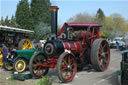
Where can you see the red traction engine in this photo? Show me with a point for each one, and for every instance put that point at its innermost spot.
(76, 45)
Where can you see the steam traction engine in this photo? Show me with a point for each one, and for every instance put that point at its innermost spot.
(76, 45)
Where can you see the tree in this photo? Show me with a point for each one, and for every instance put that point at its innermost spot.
(7, 21)
(2, 21)
(115, 15)
(100, 16)
(119, 25)
(12, 21)
(82, 18)
(108, 26)
(40, 11)
(23, 15)
(114, 25)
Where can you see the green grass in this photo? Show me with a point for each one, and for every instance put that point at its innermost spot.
(11, 79)
(44, 81)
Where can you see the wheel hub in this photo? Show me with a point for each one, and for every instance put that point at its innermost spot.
(69, 67)
(103, 55)
(20, 66)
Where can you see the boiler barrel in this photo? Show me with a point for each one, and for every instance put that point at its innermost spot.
(74, 47)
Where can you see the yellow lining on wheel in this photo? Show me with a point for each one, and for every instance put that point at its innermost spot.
(20, 65)
(1, 58)
(8, 67)
(27, 44)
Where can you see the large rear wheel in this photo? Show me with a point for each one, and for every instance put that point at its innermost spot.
(35, 67)
(100, 54)
(66, 67)
(25, 44)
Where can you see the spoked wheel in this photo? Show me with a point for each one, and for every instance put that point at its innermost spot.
(19, 65)
(91, 35)
(100, 54)
(8, 66)
(36, 65)
(66, 67)
(25, 44)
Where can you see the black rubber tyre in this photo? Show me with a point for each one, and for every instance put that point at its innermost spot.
(100, 60)
(7, 66)
(19, 65)
(122, 72)
(59, 67)
(35, 61)
(21, 43)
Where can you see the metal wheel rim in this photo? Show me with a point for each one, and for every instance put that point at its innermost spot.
(1, 56)
(38, 70)
(65, 67)
(27, 44)
(8, 66)
(104, 55)
(20, 65)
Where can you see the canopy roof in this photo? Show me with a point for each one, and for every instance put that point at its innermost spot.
(12, 29)
(78, 26)
(84, 24)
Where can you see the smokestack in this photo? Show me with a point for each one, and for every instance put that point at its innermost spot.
(54, 10)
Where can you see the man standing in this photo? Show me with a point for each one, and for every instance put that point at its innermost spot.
(117, 45)
(120, 45)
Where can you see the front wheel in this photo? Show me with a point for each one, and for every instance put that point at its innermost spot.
(19, 65)
(66, 67)
(36, 65)
(100, 54)
(8, 66)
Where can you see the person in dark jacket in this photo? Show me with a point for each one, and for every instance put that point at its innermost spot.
(4, 52)
(117, 44)
(120, 45)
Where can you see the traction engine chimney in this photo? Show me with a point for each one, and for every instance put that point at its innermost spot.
(54, 10)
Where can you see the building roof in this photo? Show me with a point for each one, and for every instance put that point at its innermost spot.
(12, 29)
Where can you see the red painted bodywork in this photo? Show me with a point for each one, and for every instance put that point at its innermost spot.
(76, 47)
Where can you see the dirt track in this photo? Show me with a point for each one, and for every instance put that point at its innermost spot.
(84, 77)
(5, 79)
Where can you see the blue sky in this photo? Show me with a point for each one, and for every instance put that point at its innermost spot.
(69, 8)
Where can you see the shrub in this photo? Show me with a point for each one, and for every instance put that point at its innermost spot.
(44, 81)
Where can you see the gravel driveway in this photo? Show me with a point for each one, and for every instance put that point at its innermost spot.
(85, 77)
